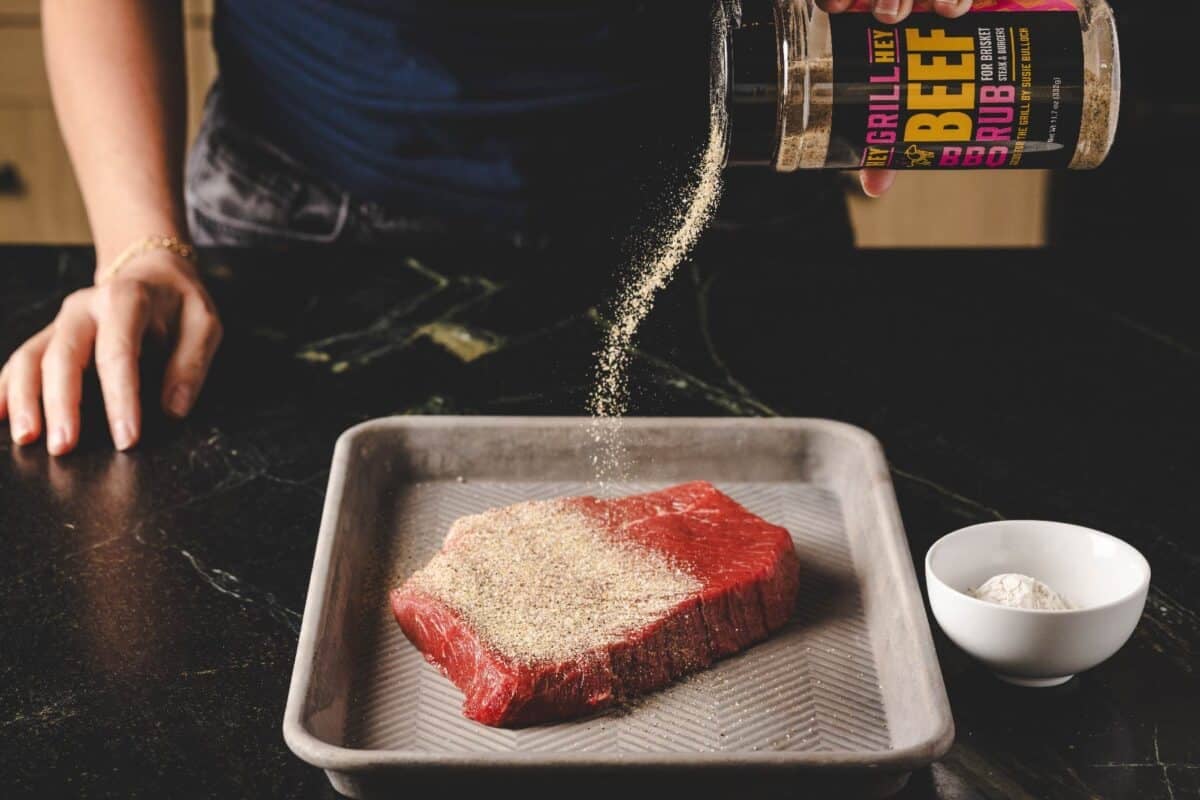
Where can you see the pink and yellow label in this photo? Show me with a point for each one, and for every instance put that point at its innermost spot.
(983, 91)
(989, 5)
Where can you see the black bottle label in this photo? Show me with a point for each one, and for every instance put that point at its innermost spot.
(994, 89)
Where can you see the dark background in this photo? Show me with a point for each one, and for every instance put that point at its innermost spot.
(1147, 188)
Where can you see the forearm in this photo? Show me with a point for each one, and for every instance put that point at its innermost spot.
(117, 74)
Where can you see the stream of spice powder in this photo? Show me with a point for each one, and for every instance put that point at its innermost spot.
(670, 245)
(674, 238)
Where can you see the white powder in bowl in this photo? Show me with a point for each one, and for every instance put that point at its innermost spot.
(1019, 591)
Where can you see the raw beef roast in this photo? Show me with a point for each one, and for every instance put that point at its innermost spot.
(548, 610)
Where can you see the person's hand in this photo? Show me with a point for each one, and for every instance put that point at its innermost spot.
(877, 181)
(157, 294)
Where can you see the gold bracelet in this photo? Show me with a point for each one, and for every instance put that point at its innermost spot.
(172, 244)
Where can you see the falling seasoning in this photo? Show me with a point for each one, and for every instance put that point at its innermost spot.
(665, 248)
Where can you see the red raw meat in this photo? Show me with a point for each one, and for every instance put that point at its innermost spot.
(741, 574)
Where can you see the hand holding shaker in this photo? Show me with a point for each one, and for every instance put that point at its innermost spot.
(1011, 84)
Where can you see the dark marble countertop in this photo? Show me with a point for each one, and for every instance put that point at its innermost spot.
(150, 601)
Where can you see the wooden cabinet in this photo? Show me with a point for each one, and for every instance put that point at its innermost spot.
(39, 199)
(931, 210)
(22, 73)
(956, 209)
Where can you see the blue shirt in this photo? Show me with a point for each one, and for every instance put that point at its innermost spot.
(464, 107)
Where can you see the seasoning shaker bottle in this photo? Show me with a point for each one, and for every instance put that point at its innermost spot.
(1011, 84)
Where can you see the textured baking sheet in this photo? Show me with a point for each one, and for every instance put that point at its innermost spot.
(839, 688)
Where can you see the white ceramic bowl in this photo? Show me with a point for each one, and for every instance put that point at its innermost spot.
(1104, 580)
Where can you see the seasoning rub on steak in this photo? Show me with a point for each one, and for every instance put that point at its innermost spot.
(548, 610)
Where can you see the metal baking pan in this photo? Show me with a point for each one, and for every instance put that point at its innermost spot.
(847, 699)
